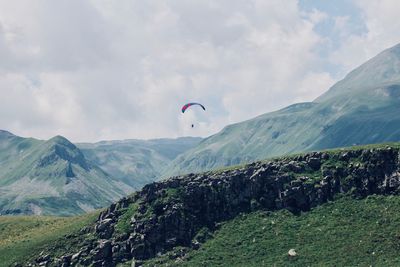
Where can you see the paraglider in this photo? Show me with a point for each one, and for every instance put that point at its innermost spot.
(186, 106)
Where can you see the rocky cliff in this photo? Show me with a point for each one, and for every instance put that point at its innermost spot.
(180, 211)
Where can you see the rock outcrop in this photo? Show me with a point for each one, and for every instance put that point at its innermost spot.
(175, 212)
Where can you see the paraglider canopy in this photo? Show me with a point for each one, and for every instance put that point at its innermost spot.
(185, 107)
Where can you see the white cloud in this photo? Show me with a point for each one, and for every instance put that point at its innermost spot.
(317, 16)
(382, 25)
(94, 70)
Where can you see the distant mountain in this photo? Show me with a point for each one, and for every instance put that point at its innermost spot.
(56, 177)
(136, 162)
(51, 177)
(362, 108)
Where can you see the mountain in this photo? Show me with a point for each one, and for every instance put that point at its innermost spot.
(299, 210)
(56, 177)
(363, 108)
(136, 162)
(51, 177)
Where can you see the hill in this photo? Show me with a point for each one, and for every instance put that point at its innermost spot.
(363, 108)
(203, 218)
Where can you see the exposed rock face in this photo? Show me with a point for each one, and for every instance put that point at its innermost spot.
(61, 148)
(171, 213)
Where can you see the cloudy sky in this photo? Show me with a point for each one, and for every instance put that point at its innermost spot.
(102, 69)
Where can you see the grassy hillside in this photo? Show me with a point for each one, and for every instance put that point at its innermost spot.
(363, 108)
(346, 232)
(25, 237)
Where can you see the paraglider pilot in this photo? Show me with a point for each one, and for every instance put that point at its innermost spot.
(185, 107)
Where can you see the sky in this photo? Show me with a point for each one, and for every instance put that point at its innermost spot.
(94, 70)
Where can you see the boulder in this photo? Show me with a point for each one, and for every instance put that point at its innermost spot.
(292, 252)
(314, 163)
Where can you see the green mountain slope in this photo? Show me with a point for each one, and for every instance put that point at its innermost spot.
(136, 162)
(51, 177)
(363, 108)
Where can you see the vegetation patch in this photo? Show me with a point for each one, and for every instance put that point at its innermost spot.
(124, 222)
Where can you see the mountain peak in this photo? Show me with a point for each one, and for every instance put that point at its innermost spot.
(383, 69)
(5, 133)
(395, 49)
(59, 139)
(60, 147)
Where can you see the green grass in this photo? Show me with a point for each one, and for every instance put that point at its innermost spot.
(124, 222)
(346, 232)
(363, 147)
(25, 237)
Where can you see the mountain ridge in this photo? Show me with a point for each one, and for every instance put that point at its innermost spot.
(367, 75)
(136, 162)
